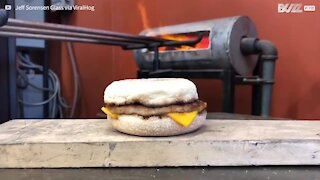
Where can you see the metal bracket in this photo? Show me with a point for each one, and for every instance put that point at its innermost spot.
(255, 80)
(252, 80)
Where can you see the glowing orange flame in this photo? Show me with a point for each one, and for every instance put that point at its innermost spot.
(203, 44)
(144, 16)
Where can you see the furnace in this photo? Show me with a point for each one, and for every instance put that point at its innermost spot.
(219, 47)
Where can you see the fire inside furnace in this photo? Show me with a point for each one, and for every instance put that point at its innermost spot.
(203, 44)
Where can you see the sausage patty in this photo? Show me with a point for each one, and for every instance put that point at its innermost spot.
(154, 111)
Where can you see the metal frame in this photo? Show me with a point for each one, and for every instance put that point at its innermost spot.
(229, 80)
(8, 102)
(262, 80)
(227, 76)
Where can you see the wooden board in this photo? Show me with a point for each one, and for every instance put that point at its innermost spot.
(92, 143)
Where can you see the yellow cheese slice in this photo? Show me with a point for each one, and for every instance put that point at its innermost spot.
(109, 113)
(184, 119)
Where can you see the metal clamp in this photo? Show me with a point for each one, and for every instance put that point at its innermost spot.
(253, 80)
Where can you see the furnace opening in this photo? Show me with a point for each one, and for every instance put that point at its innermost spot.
(203, 44)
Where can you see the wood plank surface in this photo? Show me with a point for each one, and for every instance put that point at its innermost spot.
(93, 143)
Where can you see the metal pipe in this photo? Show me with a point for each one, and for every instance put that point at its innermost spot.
(268, 57)
(170, 43)
(156, 61)
(64, 33)
(60, 38)
(83, 38)
(5, 20)
(49, 31)
(60, 27)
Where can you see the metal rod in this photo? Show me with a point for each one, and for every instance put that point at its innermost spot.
(60, 38)
(67, 34)
(126, 44)
(156, 61)
(170, 43)
(21, 23)
(49, 31)
(228, 90)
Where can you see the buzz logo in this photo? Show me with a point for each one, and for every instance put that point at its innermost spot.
(290, 8)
